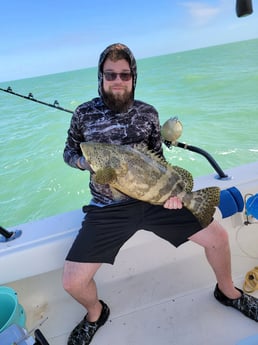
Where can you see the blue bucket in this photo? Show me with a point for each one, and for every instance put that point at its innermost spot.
(11, 312)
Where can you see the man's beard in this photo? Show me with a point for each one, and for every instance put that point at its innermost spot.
(118, 103)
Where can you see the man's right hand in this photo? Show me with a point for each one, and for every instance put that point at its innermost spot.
(173, 203)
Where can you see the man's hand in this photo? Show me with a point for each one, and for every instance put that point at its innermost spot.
(173, 203)
(83, 164)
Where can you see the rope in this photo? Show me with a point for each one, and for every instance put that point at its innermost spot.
(251, 280)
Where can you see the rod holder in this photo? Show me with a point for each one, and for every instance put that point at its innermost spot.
(7, 236)
(211, 160)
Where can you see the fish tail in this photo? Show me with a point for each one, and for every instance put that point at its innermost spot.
(186, 177)
(202, 203)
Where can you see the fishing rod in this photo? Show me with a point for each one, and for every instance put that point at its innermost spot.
(172, 129)
(30, 97)
(168, 143)
(211, 160)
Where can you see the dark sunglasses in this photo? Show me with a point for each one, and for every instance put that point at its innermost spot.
(111, 76)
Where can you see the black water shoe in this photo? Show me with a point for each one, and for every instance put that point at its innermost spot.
(246, 304)
(85, 330)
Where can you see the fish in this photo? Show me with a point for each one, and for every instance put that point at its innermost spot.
(144, 175)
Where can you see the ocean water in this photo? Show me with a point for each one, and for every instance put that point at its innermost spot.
(213, 91)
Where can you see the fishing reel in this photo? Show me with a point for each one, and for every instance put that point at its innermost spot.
(171, 130)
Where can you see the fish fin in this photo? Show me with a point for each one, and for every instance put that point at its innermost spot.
(105, 176)
(151, 154)
(186, 177)
(202, 203)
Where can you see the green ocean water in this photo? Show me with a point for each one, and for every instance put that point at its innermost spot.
(213, 91)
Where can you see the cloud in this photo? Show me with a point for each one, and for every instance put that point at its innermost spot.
(200, 12)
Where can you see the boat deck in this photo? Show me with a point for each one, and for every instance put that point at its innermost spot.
(156, 293)
(161, 295)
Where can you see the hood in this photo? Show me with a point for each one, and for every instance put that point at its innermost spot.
(102, 58)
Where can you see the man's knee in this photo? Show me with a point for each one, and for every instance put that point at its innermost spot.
(213, 236)
(219, 239)
(68, 278)
(76, 275)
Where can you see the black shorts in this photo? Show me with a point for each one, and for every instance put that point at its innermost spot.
(105, 229)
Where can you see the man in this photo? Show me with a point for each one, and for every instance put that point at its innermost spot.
(116, 117)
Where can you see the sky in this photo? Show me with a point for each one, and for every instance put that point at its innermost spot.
(51, 36)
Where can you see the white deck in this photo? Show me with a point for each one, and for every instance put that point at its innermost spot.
(156, 293)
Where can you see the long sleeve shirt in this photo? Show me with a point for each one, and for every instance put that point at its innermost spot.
(93, 121)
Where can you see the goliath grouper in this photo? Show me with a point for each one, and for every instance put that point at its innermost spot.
(141, 174)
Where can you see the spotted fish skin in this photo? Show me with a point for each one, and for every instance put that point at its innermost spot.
(142, 175)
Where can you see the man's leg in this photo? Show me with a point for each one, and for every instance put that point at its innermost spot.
(214, 239)
(79, 283)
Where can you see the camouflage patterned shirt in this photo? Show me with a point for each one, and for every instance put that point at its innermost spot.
(93, 121)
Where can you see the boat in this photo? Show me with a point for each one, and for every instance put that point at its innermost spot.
(156, 293)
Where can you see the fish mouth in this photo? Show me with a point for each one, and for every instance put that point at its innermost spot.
(86, 148)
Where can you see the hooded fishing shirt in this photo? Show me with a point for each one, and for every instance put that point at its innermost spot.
(94, 121)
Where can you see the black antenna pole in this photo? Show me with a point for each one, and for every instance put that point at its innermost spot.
(244, 8)
(30, 97)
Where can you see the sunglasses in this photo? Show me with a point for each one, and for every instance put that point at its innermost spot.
(111, 76)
